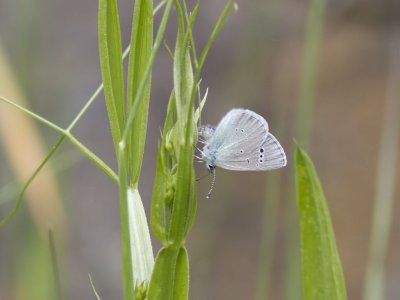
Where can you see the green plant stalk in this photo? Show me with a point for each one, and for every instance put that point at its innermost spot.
(25, 187)
(174, 195)
(10, 190)
(303, 130)
(95, 159)
(374, 285)
(230, 5)
(127, 267)
(126, 243)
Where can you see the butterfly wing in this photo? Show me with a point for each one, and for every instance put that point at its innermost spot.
(242, 142)
(267, 156)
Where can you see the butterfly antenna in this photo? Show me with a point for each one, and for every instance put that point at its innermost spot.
(212, 185)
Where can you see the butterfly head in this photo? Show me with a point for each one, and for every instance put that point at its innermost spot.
(210, 167)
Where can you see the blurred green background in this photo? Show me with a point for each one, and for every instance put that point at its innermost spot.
(49, 62)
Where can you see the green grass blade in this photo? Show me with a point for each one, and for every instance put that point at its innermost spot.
(183, 72)
(190, 17)
(111, 66)
(92, 157)
(141, 44)
(170, 279)
(147, 72)
(322, 273)
(314, 30)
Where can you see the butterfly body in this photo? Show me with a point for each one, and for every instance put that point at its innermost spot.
(241, 142)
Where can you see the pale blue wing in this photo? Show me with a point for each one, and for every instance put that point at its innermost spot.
(267, 156)
(239, 127)
(241, 141)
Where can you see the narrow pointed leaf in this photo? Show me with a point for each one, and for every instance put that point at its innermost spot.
(322, 273)
(141, 45)
(111, 65)
(183, 72)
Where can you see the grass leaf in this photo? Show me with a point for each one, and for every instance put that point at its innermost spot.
(322, 273)
(183, 72)
(141, 45)
(111, 66)
(170, 279)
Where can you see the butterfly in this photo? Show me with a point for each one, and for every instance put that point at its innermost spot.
(241, 142)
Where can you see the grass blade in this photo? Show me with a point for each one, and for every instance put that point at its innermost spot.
(303, 129)
(322, 273)
(147, 71)
(141, 44)
(111, 66)
(183, 72)
(170, 279)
